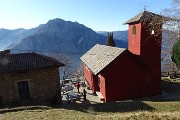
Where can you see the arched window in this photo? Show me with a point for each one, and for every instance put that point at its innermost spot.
(134, 30)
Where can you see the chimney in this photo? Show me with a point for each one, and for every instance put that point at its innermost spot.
(4, 53)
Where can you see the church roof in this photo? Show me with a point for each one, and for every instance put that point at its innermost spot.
(25, 61)
(98, 57)
(145, 15)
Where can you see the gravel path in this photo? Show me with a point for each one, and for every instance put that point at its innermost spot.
(90, 97)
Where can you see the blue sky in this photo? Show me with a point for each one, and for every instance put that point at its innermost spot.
(100, 15)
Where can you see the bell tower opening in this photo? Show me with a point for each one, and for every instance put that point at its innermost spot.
(134, 30)
(143, 39)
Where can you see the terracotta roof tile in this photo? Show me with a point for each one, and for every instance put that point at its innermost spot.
(26, 61)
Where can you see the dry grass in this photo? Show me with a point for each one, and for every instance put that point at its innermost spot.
(115, 110)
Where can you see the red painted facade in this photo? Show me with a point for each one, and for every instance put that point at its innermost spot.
(134, 43)
(102, 85)
(136, 72)
(91, 79)
(122, 80)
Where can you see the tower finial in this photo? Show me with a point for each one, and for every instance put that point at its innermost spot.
(145, 5)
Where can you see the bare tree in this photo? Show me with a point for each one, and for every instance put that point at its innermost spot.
(173, 22)
(170, 18)
(78, 72)
(172, 30)
(65, 71)
(176, 2)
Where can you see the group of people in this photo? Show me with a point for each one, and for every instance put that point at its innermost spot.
(84, 91)
(54, 99)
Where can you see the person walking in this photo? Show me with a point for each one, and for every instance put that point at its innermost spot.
(84, 94)
(78, 86)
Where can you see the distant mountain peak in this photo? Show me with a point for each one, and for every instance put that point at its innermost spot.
(56, 20)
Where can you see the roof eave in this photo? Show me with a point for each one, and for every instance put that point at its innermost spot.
(139, 17)
(129, 22)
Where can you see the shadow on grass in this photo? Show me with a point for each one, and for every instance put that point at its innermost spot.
(165, 97)
(86, 107)
(29, 108)
(121, 106)
(172, 88)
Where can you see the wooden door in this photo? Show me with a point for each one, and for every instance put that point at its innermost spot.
(23, 90)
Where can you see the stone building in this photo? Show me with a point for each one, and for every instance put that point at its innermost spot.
(28, 76)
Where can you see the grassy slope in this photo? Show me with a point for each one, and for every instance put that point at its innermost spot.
(114, 110)
(149, 109)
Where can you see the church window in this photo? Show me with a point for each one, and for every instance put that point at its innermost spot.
(134, 30)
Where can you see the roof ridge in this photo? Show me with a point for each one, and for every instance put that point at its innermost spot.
(142, 16)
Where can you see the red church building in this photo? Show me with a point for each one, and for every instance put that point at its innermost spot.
(120, 74)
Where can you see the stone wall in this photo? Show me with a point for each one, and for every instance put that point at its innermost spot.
(43, 84)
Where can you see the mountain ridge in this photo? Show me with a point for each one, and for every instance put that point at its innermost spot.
(10, 37)
(58, 29)
(59, 36)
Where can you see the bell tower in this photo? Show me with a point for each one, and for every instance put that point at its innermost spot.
(145, 36)
(144, 41)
